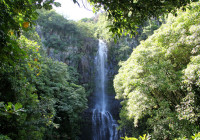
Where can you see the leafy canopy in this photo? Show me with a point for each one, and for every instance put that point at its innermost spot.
(128, 14)
(160, 80)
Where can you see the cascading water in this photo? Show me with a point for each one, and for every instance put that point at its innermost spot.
(104, 127)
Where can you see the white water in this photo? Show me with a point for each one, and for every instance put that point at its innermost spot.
(104, 127)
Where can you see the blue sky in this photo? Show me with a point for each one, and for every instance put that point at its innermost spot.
(72, 11)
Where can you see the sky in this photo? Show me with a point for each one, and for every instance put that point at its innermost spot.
(72, 11)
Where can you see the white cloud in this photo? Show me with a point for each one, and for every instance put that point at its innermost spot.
(72, 11)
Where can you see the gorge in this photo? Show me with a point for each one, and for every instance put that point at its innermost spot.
(74, 80)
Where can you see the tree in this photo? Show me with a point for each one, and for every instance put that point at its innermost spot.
(128, 14)
(19, 14)
(16, 16)
(160, 80)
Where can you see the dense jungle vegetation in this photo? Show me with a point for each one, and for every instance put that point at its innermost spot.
(159, 83)
(46, 66)
(39, 96)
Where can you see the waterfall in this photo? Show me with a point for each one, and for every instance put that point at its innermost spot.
(104, 127)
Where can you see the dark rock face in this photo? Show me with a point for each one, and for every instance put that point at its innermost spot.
(86, 124)
(86, 62)
(114, 106)
(80, 58)
(77, 52)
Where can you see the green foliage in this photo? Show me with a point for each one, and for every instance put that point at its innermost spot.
(126, 138)
(148, 29)
(196, 136)
(9, 108)
(148, 137)
(56, 85)
(102, 30)
(189, 105)
(128, 15)
(16, 16)
(144, 137)
(3, 137)
(32, 35)
(40, 97)
(17, 92)
(60, 33)
(160, 79)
